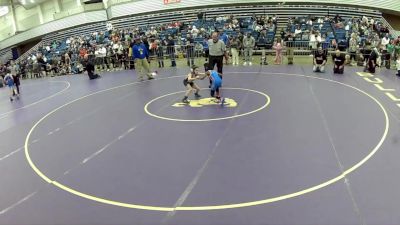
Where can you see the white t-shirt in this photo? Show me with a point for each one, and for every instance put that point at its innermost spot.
(312, 38)
(8, 77)
(102, 52)
(384, 42)
(398, 64)
(109, 26)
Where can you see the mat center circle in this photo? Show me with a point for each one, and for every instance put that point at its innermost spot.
(210, 110)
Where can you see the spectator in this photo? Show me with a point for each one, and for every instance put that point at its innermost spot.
(353, 47)
(235, 47)
(171, 50)
(338, 62)
(289, 40)
(89, 66)
(248, 45)
(278, 46)
(319, 60)
(372, 61)
(398, 66)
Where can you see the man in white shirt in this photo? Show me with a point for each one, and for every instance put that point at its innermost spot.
(297, 31)
(313, 41)
(384, 42)
(194, 32)
(109, 27)
(248, 44)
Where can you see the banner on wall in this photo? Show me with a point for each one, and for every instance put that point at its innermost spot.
(171, 1)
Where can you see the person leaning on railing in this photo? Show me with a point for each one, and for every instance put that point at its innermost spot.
(170, 44)
(189, 50)
(289, 44)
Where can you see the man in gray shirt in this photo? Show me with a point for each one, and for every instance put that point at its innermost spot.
(217, 50)
(248, 45)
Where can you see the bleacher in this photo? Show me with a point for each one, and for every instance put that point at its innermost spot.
(5, 55)
(74, 32)
(242, 12)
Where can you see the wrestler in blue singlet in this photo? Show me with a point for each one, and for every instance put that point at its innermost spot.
(216, 83)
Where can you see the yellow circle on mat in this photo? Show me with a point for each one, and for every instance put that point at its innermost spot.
(209, 207)
(267, 102)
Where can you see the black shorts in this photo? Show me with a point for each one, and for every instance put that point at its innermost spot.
(16, 80)
(185, 82)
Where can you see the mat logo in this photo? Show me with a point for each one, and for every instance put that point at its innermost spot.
(378, 83)
(230, 103)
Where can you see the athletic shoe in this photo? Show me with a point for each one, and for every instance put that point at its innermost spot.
(222, 101)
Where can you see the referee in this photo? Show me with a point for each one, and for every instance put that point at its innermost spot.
(217, 50)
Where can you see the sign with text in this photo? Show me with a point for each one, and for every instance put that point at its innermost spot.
(171, 1)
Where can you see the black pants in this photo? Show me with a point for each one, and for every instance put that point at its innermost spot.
(90, 71)
(16, 82)
(215, 60)
(92, 75)
(353, 56)
(337, 70)
(212, 93)
(398, 73)
(371, 67)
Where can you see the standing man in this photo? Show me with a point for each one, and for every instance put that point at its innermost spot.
(353, 47)
(372, 60)
(289, 41)
(248, 44)
(170, 43)
(217, 50)
(14, 72)
(235, 48)
(139, 56)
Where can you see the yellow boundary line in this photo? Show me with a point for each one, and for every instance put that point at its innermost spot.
(3, 115)
(210, 207)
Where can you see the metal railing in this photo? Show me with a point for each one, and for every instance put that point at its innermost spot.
(165, 56)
